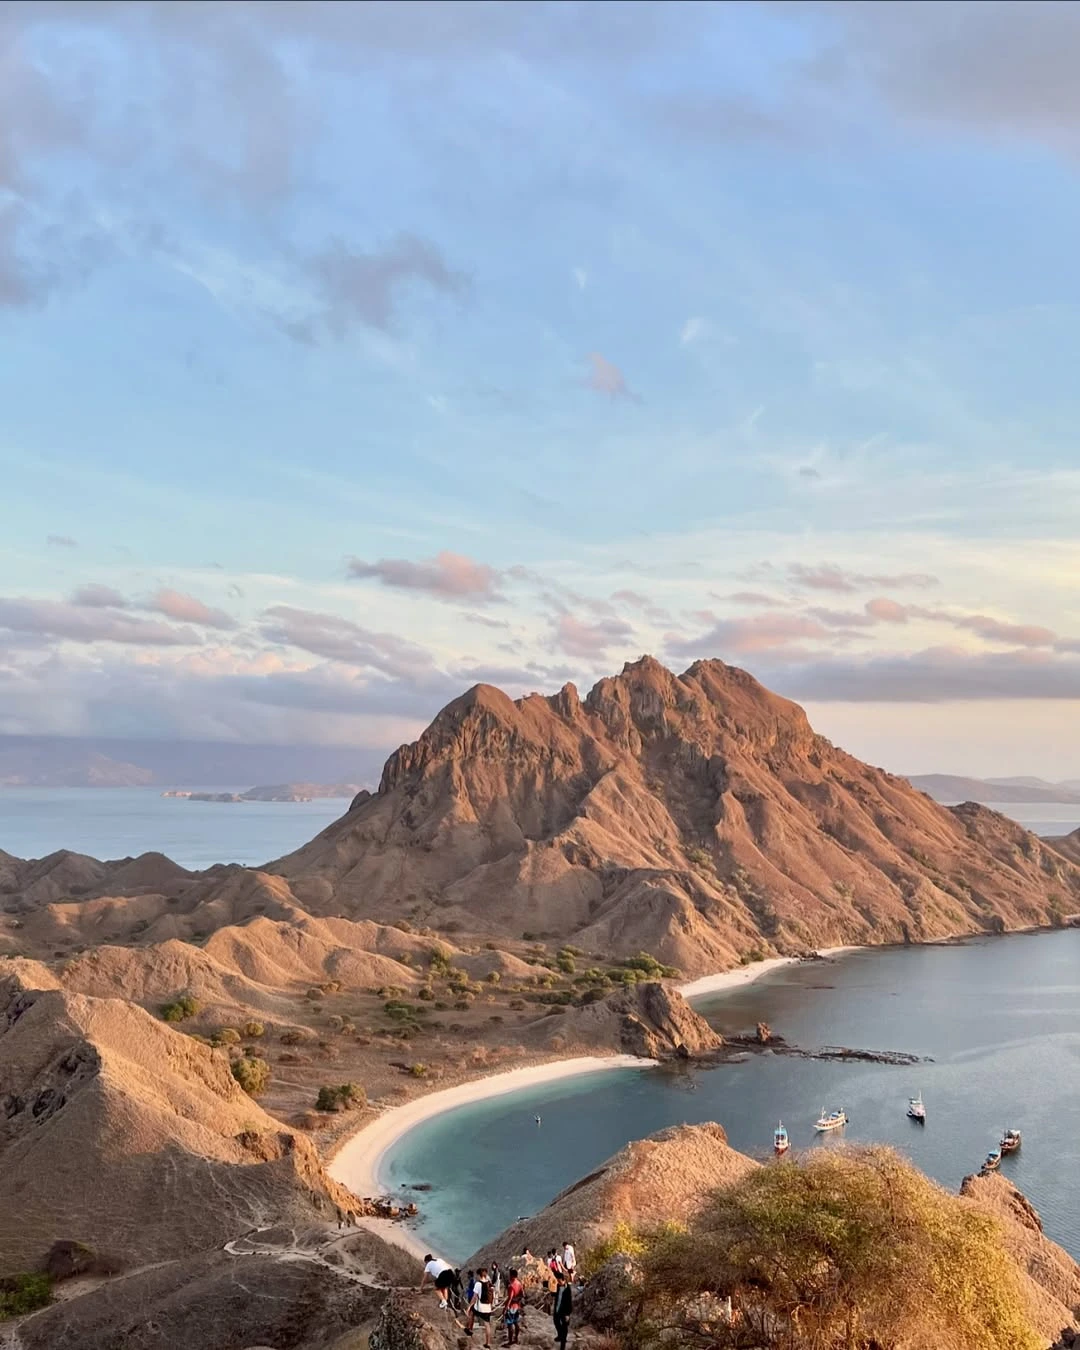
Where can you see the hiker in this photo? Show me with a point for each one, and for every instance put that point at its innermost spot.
(569, 1259)
(441, 1275)
(561, 1310)
(481, 1302)
(537, 1119)
(470, 1285)
(554, 1261)
(515, 1298)
(496, 1281)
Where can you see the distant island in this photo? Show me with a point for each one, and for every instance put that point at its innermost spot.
(947, 787)
(274, 792)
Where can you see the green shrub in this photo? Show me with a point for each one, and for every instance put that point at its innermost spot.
(252, 1073)
(438, 960)
(253, 1030)
(226, 1036)
(292, 1037)
(180, 1009)
(426, 993)
(418, 1070)
(340, 1097)
(566, 963)
(841, 1250)
(493, 977)
(24, 1294)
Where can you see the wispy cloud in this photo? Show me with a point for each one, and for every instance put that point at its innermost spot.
(447, 576)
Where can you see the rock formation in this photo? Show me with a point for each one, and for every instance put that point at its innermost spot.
(697, 817)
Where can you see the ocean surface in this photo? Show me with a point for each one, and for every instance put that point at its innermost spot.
(123, 822)
(999, 1016)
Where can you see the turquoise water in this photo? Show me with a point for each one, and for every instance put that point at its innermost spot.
(118, 822)
(1000, 1017)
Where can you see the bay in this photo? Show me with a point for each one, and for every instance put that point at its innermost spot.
(123, 822)
(999, 1016)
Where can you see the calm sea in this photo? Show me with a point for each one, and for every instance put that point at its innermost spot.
(123, 822)
(999, 1016)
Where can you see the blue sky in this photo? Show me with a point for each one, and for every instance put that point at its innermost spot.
(350, 354)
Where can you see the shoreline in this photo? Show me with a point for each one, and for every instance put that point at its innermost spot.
(359, 1159)
(734, 979)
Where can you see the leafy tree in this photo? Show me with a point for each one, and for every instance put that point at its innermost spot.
(843, 1251)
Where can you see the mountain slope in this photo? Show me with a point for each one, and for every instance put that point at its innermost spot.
(697, 816)
(116, 1130)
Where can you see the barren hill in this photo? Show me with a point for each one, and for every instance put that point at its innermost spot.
(696, 816)
(118, 1131)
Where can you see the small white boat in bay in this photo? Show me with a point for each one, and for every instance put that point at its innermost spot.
(916, 1110)
(831, 1120)
(781, 1142)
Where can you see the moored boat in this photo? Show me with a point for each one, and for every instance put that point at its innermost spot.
(781, 1142)
(993, 1160)
(1010, 1141)
(916, 1110)
(831, 1120)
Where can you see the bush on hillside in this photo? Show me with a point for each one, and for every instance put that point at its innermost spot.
(24, 1293)
(180, 1009)
(252, 1073)
(254, 1029)
(340, 1097)
(226, 1036)
(845, 1250)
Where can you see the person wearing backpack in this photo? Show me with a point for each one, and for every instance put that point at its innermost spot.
(481, 1304)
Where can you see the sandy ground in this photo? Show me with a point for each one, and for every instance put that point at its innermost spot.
(732, 979)
(357, 1163)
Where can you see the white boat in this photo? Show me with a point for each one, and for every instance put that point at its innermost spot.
(916, 1110)
(831, 1120)
(781, 1142)
(1010, 1141)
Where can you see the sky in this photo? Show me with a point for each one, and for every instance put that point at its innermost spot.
(352, 354)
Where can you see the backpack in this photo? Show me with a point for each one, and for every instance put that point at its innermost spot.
(484, 1296)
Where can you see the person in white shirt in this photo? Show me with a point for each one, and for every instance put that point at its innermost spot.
(569, 1261)
(441, 1275)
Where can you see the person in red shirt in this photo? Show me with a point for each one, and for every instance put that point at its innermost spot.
(512, 1308)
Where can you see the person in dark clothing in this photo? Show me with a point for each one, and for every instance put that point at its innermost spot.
(561, 1309)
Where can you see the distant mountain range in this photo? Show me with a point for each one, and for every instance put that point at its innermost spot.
(947, 787)
(69, 761)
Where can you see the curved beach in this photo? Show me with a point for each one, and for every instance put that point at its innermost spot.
(357, 1163)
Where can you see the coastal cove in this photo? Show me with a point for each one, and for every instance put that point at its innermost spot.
(999, 1018)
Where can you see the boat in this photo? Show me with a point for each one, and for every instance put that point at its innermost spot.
(781, 1142)
(1010, 1141)
(916, 1110)
(993, 1160)
(831, 1120)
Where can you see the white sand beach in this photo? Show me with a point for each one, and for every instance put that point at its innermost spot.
(732, 979)
(357, 1163)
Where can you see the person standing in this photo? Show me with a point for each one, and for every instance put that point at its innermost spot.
(441, 1275)
(515, 1299)
(561, 1309)
(569, 1260)
(481, 1303)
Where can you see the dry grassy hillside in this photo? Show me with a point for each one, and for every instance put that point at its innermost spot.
(119, 1132)
(696, 816)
